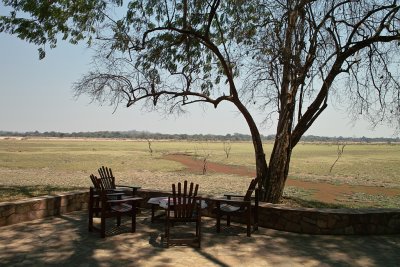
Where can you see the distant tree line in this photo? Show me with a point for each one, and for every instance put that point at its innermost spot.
(191, 137)
(135, 135)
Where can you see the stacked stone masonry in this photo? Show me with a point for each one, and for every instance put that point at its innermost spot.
(330, 221)
(299, 220)
(41, 207)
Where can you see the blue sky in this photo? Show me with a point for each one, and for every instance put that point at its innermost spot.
(36, 95)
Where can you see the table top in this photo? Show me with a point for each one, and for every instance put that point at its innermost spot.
(156, 200)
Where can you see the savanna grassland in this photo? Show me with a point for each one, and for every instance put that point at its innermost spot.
(33, 167)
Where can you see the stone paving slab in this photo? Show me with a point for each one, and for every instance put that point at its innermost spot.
(65, 241)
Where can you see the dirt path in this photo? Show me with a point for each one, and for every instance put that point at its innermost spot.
(328, 193)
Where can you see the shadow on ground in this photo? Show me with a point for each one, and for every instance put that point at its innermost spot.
(64, 240)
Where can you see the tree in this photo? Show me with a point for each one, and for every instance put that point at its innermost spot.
(227, 148)
(284, 56)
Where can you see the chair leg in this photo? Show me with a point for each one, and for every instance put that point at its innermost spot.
(167, 233)
(133, 218)
(152, 212)
(228, 220)
(255, 227)
(103, 226)
(90, 226)
(90, 215)
(167, 225)
(218, 223)
(218, 216)
(118, 220)
(97, 205)
(199, 232)
(256, 210)
(248, 222)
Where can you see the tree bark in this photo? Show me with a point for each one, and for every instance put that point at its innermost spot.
(278, 168)
(281, 154)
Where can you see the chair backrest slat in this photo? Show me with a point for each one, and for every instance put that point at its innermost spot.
(100, 188)
(173, 194)
(249, 192)
(191, 189)
(184, 201)
(95, 182)
(107, 177)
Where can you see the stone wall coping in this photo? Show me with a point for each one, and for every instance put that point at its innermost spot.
(329, 210)
(34, 199)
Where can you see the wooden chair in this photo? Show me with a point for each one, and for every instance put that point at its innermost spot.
(109, 181)
(112, 207)
(240, 207)
(94, 196)
(156, 206)
(183, 207)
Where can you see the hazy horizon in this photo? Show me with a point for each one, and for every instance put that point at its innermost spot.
(161, 133)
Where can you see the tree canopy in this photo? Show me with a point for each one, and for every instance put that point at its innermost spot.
(286, 58)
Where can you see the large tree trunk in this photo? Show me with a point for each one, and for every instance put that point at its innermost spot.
(278, 168)
(280, 157)
(272, 177)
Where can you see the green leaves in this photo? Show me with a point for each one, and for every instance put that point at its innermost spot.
(42, 53)
(43, 22)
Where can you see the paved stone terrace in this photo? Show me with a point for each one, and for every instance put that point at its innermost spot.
(64, 241)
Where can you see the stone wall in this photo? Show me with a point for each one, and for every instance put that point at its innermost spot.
(299, 220)
(41, 207)
(330, 221)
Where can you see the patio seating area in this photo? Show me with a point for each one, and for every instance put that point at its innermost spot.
(65, 240)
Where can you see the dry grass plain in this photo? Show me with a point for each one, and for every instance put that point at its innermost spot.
(33, 167)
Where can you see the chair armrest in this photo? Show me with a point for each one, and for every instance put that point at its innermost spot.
(232, 195)
(231, 201)
(115, 194)
(110, 191)
(133, 199)
(128, 186)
